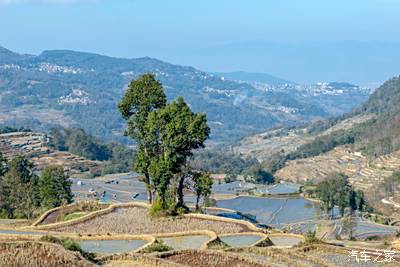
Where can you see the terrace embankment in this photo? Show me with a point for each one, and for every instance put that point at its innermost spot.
(28, 253)
(210, 258)
(136, 220)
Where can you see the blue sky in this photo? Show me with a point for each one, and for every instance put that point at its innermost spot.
(302, 40)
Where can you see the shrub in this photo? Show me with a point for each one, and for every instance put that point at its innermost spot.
(157, 246)
(311, 238)
(157, 208)
(68, 244)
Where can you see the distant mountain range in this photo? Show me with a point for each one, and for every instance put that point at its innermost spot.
(242, 76)
(69, 88)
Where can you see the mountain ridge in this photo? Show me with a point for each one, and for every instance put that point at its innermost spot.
(80, 88)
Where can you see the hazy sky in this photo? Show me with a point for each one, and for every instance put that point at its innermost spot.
(301, 40)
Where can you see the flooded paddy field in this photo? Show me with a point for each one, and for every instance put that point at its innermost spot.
(241, 240)
(185, 242)
(241, 187)
(285, 240)
(17, 232)
(364, 229)
(111, 246)
(118, 188)
(274, 211)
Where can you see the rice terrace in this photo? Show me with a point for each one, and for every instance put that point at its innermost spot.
(199, 133)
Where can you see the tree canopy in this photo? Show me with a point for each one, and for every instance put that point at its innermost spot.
(336, 191)
(144, 95)
(23, 193)
(55, 188)
(166, 135)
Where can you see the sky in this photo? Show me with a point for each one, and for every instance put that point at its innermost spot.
(301, 40)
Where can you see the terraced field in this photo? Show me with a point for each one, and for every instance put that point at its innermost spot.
(26, 253)
(362, 172)
(283, 141)
(262, 146)
(136, 220)
(35, 147)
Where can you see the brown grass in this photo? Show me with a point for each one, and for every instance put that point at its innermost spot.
(35, 254)
(210, 258)
(135, 220)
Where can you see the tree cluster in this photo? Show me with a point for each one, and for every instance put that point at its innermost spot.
(220, 161)
(336, 191)
(166, 135)
(78, 142)
(23, 193)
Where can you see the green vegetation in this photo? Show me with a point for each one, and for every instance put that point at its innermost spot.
(143, 96)
(257, 175)
(157, 246)
(78, 142)
(23, 193)
(202, 186)
(336, 191)
(19, 189)
(311, 238)
(71, 216)
(220, 161)
(55, 188)
(165, 135)
(8, 129)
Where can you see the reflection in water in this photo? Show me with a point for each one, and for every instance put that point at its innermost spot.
(13, 232)
(274, 211)
(285, 240)
(185, 242)
(111, 246)
(240, 240)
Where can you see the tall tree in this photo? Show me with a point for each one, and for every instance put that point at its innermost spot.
(174, 132)
(55, 188)
(336, 190)
(202, 186)
(144, 95)
(19, 189)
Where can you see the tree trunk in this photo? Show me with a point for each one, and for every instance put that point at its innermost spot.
(197, 202)
(180, 191)
(149, 193)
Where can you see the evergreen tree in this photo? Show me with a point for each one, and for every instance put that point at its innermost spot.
(19, 189)
(55, 188)
(202, 186)
(144, 95)
(174, 132)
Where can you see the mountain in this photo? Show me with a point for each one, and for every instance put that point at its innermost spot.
(78, 89)
(364, 144)
(251, 77)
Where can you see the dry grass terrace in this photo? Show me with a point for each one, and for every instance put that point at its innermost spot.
(136, 220)
(35, 254)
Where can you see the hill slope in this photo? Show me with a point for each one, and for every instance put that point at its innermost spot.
(364, 144)
(70, 88)
(35, 147)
